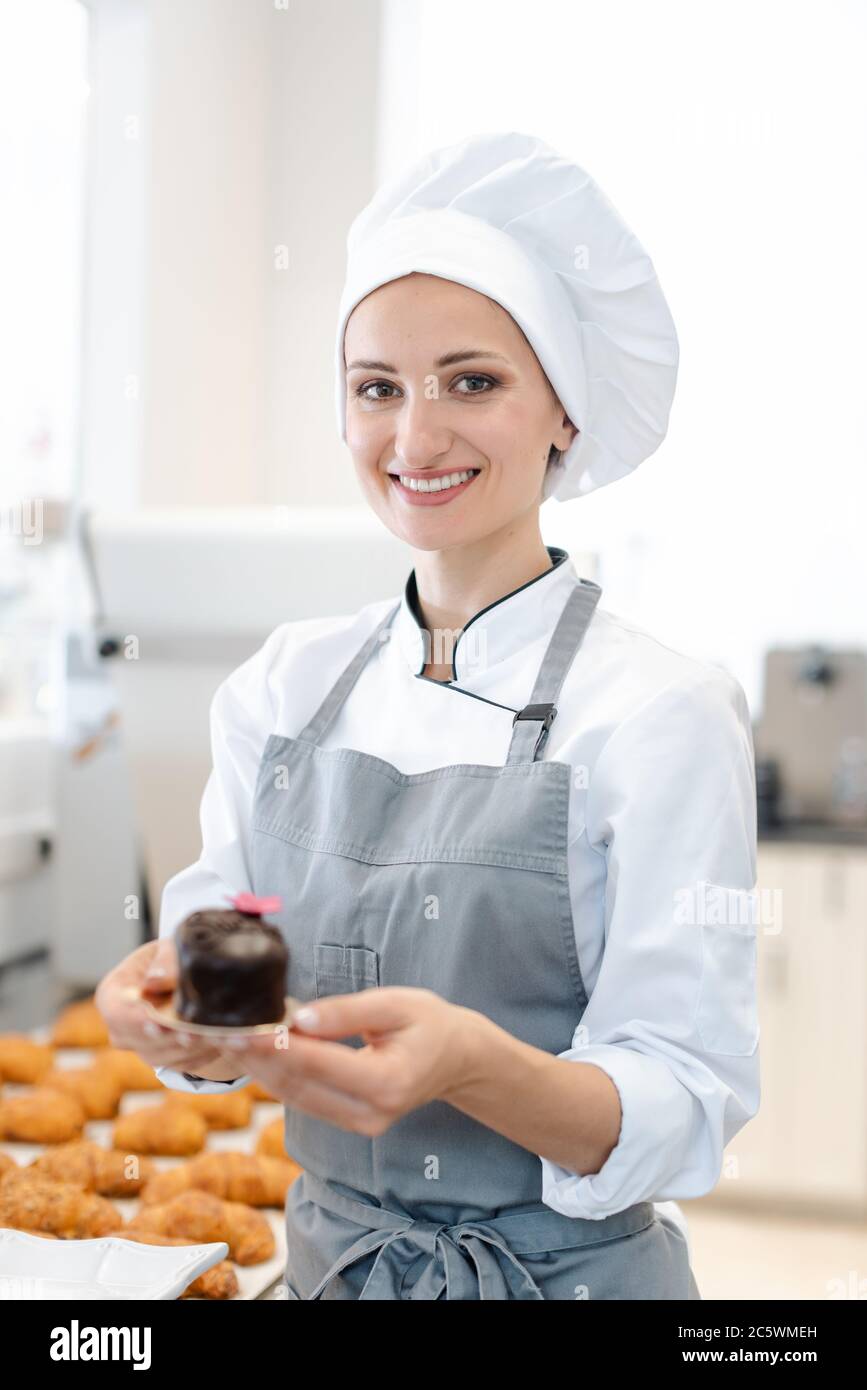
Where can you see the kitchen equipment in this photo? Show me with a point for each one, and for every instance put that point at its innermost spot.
(811, 741)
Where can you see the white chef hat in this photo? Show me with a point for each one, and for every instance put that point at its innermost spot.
(507, 216)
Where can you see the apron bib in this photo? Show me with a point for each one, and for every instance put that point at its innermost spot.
(453, 880)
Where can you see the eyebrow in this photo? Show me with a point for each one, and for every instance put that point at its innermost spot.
(449, 359)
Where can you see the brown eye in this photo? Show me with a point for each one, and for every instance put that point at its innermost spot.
(377, 386)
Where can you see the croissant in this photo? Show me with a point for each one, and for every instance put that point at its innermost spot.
(80, 1025)
(257, 1091)
(160, 1129)
(272, 1139)
(199, 1216)
(30, 1202)
(224, 1110)
(133, 1072)
(236, 1177)
(22, 1060)
(41, 1116)
(98, 1090)
(220, 1281)
(106, 1171)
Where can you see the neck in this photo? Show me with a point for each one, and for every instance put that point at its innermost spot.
(455, 584)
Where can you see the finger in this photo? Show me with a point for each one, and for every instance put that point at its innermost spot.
(352, 1071)
(321, 1101)
(189, 1061)
(118, 994)
(168, 1048)
(344, 1015)
(162, 973)
(333, 1106)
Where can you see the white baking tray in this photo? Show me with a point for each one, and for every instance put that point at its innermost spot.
(253, 1280)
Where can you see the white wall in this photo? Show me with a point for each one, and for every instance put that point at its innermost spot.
(224, 132)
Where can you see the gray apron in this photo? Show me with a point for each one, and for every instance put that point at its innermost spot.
(453, 880)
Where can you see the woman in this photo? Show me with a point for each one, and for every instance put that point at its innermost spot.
(497, 900)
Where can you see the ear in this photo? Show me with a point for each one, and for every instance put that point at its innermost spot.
(566, 434)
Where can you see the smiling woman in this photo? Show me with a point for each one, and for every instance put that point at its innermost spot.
(509, 1050)
(484, 421)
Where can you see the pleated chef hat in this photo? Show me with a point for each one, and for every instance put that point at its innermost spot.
(507, 216)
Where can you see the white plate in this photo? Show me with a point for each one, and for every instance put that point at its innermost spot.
(108, 1268)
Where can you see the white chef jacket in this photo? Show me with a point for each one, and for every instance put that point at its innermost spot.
(662, 800)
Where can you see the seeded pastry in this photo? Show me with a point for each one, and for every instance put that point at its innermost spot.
(29, 1202)
(109, 1172)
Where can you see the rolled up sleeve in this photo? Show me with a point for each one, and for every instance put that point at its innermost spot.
(672, 1018)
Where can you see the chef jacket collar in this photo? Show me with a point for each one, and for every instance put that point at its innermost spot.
(504, 627)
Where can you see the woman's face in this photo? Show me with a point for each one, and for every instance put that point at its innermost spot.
(440, 381)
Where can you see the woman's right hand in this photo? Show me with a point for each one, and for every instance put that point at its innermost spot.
(152, 970)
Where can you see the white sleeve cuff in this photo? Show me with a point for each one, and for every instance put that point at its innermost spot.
(659, 1117)
(181, 1081)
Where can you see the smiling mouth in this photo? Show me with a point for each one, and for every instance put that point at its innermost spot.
(441, 488)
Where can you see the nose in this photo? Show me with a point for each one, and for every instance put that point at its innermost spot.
(421, 437)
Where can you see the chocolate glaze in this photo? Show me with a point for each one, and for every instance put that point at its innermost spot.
(231, 969)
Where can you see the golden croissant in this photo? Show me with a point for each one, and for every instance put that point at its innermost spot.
(160, 1129)
(41, 1116)
(133, 1072)
(223, 1110)
(23, 1060)
(236, 1177)
(98, 1090)
(272, 1139)
(199, 1216)
(80, 1025)
(257, 1091)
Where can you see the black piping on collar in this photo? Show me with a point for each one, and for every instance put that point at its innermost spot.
(558, 556)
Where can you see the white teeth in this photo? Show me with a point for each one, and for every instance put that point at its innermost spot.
(437, 484)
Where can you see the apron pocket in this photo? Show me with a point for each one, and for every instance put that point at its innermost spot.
(727, 1012)
(344, 969)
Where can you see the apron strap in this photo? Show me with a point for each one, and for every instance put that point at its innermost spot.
(327, 711)
(531, 724)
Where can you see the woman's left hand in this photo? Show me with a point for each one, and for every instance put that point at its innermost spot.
(419, 1048)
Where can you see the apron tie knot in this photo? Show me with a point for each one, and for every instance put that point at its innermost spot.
(418, 1259)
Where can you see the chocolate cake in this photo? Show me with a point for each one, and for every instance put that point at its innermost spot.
(231, 965)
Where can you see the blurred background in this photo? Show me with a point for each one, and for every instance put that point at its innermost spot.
(178, 180)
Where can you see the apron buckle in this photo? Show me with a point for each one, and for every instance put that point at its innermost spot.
(546, 714)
